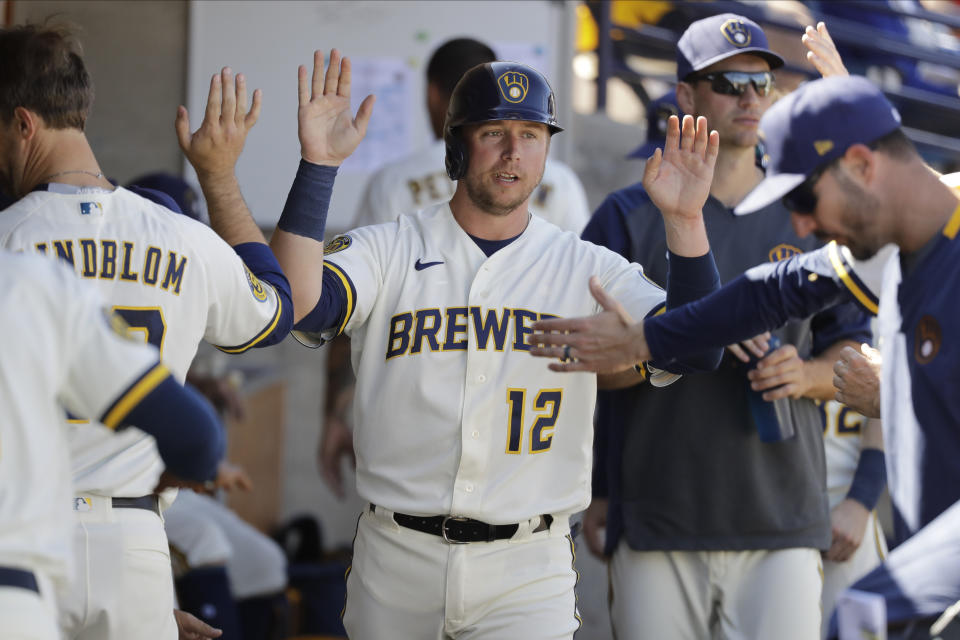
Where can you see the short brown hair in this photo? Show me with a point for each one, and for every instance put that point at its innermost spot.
(41, 70)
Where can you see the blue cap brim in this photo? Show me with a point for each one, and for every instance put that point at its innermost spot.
(770, 189)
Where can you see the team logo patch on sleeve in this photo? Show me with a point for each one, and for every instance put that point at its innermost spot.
(337, 244)
(513, 86)
(926, 342)
(256, 287)
(782, 252)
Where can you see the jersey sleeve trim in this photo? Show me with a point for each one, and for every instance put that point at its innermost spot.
(350, 291)
(263, 334)
(115, 413)
(953, 225)
(860, 292)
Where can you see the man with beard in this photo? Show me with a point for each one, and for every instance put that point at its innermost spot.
(471, 454)
(847, 172)
(727, 544)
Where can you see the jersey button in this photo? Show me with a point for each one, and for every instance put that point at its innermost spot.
(475, 434)
(481, 378)
(468, 488)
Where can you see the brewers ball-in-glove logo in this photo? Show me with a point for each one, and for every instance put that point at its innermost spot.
(256, 287)
(513, 86)
(337, 244)
(736, 32)
(927, 340)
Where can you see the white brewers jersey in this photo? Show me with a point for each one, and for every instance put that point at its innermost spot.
(60, 352)
(452, 415)
(174, 282)
(420, 181)
(843, 428)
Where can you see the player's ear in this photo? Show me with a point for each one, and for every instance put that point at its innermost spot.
(860, 161)
(685, 97)
(26, 122)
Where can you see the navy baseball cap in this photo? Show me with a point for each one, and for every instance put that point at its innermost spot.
(814, 125)
(719, 37)
(658, 112)
(174, 186)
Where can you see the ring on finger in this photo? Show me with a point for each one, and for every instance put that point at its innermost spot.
(566, 353)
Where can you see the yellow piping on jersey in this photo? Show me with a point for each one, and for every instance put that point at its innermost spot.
(263, 334)
(953, 225)
(134, 395)
(349, 291)
(837, 261)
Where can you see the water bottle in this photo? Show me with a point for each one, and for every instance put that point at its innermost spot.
(773, 419)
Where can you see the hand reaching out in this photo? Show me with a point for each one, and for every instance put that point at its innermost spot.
(215, 147)
(822, 52)
(678, 179)
(328, 133)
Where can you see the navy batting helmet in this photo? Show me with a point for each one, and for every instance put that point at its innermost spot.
(496, 91)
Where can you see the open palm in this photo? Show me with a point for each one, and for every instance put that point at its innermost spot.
(678, 179)
(327, 130)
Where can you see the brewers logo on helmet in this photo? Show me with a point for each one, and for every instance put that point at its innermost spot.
(496, 91)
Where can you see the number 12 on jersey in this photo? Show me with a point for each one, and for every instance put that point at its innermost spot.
(547, 405)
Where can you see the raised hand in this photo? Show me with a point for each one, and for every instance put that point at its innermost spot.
(678, 179)
(822, 52)
(605, 343)
(214, 148)
(328, 133)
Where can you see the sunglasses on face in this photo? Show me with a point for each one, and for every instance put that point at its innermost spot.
(735, 83)
(802, 198)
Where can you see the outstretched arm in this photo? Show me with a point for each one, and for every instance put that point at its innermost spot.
(678, 180)
(328, 135)
(214, 149)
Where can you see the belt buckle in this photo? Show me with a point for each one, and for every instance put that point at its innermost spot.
(443, 529)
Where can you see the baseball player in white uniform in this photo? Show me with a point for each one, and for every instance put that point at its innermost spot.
(419, 180)
(173, 281)
(846, 434)
(471, 455)
(84, 365)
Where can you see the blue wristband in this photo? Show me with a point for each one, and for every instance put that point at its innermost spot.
(869, 479)
(305, 212)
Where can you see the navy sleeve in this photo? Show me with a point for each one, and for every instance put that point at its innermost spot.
(263, 264)
(846, 321)
(331, 309)
(689, 279)
(189, 434)
(762, 299)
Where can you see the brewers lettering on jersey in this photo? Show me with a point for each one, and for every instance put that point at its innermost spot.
(461, 437)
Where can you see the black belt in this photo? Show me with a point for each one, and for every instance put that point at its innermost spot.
(150, 503)
(10, 577)
(459, 530)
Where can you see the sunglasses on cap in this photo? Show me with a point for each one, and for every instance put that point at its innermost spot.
(801, 199)
(735, 83)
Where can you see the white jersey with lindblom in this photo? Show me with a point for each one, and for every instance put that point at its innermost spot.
(451, 414)
(61, 352)
(173, 281)
(420, 181)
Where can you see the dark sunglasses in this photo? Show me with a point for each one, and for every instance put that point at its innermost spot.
(801, 199)
(735, 83)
